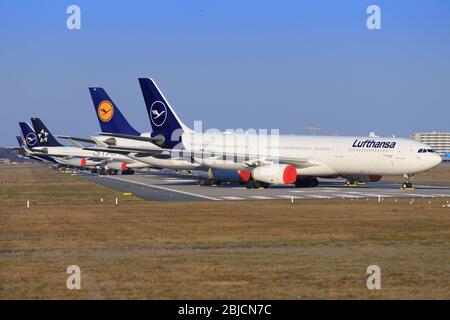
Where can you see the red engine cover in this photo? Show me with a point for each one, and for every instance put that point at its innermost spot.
(123, 166)
(289, 174)
(83, 162)
(244, 175)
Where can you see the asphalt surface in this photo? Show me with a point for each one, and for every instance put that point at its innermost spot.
(163, 187)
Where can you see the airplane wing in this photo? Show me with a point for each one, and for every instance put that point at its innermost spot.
(248, 160)
(77, 139)
(158, 140)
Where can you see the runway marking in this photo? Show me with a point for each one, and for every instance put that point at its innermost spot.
(317, 196)
(419, 195)
(179, 180)
(166, 189)
(262, 197)
(232, 198)
(343, 195)
(297, 191)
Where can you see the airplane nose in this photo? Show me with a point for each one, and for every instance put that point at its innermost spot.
(435, 160)
(438, 159)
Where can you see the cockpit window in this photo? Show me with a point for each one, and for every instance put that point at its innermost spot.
(430, 150)
(420, 150)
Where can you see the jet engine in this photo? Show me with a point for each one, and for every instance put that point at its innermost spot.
(228, 175)
(116, 165)
(275, 174)
(81, 162)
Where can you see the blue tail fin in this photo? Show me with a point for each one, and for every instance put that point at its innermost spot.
(163, 119)
(31, 138)
(20, 141)
(45, 137)
(108, 114)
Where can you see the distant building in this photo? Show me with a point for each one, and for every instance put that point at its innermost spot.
(439, 141)
(5, 161)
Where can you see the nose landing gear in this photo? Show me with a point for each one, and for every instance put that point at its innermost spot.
(407, 185)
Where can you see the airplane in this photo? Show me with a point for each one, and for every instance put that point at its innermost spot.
(293, 159)
(21, 151)
(29, 141)
(43, 143)
(117, 132)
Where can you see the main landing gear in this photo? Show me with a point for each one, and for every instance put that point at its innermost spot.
(127, 172)
(306, 182)
(208, 182)
(407, 185)
(252, 184)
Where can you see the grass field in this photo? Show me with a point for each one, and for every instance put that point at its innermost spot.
(201, 250)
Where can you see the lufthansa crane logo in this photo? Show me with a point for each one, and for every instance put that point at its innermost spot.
(158, 113)
(31, 139)
(105, 111)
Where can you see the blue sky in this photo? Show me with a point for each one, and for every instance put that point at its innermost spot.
(232, 64)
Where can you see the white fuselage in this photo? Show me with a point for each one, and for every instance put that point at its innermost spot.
(62, 153)
(316, 155)
(311, 155)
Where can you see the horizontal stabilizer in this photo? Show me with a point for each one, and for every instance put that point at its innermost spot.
(88, 140)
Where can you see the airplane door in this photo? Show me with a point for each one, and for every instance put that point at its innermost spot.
(339, 152)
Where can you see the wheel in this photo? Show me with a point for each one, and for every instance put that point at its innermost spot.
(250, 184)
(259, 184)
(407, 185)
(307, 182)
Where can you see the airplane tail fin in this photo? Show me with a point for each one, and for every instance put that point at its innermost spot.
(44, 136)
(108, 114)
(30, 137)
(20, 141)
(163, 119)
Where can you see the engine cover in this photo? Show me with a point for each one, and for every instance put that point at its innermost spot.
(78, 162)
(275, 174)
(116, 165)
(228, 175)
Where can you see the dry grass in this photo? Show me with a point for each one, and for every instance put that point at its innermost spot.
(176, 250)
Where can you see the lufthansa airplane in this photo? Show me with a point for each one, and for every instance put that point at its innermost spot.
(281, 159)
(41, 143)
(117, 131)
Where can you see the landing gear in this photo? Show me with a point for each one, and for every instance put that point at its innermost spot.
(351, 183)
(252, 184)
(208, 182)
(306, 182)
(407, 184)
(94, 171)
(127, 172)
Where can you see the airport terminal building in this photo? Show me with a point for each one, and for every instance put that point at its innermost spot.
(440, 141)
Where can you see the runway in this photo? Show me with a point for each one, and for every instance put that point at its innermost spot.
(162, 187)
